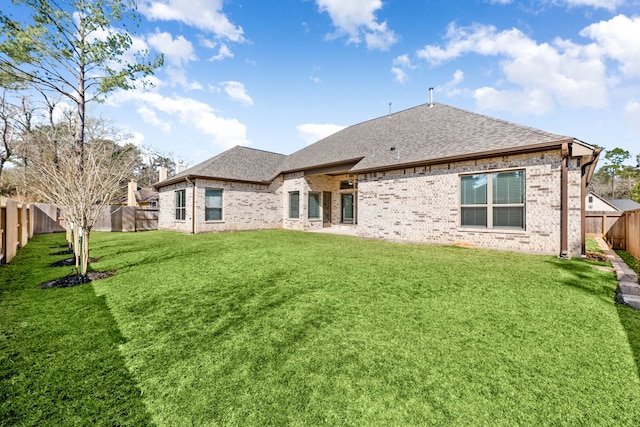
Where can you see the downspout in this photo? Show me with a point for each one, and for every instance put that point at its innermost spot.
(564, 202)
(583, 194)
(193, 205)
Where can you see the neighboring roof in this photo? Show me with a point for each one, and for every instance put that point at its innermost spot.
(143, 195)
(423, 134)
(146, 195)
(237, 164)
(625, 204)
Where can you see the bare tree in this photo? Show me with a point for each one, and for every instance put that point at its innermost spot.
(81, 194)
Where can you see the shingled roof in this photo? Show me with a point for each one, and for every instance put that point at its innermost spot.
(427, 133)
(236, 164)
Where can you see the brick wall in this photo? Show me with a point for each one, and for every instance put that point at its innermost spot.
(423, 205)
(314, 183)
(245, 206)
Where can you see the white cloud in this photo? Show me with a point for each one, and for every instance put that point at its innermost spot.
(357, 20)
(539, 76)
(224, 133)
(62, 111)
(237, 92)
(517, 101)
(618, 39)
(632, 113)
(311, 132)
(135, 138)
(401, 64)
(451, 87)
(176, 51)
(399, 75)
(223, 52)
(149, 116)
(403, 61)
(610, 5)
(205, 15)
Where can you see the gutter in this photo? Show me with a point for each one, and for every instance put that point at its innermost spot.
(193, 205)
(564, 202)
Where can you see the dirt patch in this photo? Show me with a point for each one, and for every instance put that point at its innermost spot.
(76, 280)
(71, 262)
(597, 256)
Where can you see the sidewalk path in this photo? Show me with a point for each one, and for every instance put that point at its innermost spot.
(627, 278)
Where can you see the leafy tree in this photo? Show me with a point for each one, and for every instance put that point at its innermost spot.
(615, 157)
(75, 48)
(81, 51)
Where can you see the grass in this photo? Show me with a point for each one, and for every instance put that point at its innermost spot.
(59, 358)
(289, 328)
(591, 245)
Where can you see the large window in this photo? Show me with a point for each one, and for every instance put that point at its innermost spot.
(493, 200)
(212, 204)
(181, 205)
(294, 204)
(314, 205)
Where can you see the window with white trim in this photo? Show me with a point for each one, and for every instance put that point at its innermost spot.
(213, 204)
(181, 204)
(294, 204)
(314, 205)
(493, 200)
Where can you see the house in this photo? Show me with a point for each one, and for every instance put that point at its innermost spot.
(145, 197)
(432, 173)
(625, 205)
(595, 203)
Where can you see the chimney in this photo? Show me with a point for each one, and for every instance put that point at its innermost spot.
(180, 167)
(430, 97)
(131, 193)
(162, 174)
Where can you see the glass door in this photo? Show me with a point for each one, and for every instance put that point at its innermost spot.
(347, 208)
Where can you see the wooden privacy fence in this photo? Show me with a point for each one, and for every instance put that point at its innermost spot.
(16, 227)
(599, 223)
(20, 221)
(625, 233)
(127, 218)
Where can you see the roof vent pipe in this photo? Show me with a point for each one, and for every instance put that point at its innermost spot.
(430, 97)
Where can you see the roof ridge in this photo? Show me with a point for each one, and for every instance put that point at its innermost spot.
(508, 122)
(254, 149)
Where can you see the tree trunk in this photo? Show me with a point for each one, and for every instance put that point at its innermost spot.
(85, 252)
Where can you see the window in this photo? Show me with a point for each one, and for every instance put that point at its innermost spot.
(494, 200)
(294, 204)
(590, 199)
(314, 205)
(212, 204)
(348, 185)
(181, 205)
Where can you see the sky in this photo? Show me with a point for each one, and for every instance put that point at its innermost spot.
(279, 75)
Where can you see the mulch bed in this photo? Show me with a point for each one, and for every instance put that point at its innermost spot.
(76, 280)
(597, 256)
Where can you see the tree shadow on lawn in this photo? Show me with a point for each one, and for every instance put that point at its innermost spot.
(582, 280)
(630, 320)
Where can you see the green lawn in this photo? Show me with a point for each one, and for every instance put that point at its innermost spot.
(288, 328)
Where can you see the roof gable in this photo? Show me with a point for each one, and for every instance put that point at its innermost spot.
(426, 133)
(236, 164)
